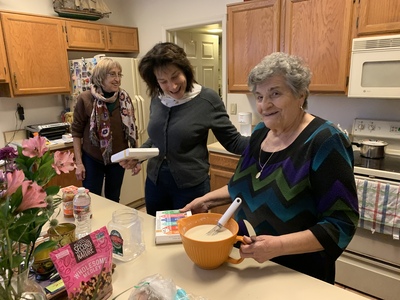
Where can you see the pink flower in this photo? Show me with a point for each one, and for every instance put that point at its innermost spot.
(34, 147)
(14, 181)
(33, 196)
(63, 162)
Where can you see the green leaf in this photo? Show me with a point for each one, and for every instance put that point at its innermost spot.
(43, 246)
(52, 190)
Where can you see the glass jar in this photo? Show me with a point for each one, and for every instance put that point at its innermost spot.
(67, 198)
(126, 234)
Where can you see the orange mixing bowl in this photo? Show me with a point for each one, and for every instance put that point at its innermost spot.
(209, 254)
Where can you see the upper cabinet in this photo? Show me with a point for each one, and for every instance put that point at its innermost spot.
(317, 30)
(36, 54)
(122, 39)
(378, 17)
(33, 50)
(253, 32)
(86, 36)
(4, 74)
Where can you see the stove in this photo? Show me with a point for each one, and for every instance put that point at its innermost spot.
(371, 262)
(387, 168)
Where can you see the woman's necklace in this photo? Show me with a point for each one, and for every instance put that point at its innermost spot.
(262, 166)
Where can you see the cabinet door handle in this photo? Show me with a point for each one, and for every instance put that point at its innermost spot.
(15, 80)
(110, 37)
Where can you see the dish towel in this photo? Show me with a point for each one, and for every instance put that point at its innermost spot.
(379, 207)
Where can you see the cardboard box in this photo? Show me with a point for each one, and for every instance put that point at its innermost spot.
(167, 226)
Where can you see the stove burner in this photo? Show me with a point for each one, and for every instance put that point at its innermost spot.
(390, 163)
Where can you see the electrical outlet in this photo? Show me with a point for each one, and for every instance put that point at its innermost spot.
(233, 109)
(20, 111)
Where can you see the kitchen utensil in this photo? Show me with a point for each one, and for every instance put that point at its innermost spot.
(225, 217)
(250, 230)
(212, 253)
(371, 148)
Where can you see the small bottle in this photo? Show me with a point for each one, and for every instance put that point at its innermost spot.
(126, 234)
(82, 213)
(68, 199)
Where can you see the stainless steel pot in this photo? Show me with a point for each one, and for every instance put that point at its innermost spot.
(371, 148)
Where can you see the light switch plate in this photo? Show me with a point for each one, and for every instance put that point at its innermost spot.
(233, 109)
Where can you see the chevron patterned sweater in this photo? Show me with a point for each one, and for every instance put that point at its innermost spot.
(308, 185)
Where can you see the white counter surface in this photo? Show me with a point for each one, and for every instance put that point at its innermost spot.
(248, 280)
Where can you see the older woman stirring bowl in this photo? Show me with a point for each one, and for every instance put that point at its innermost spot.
(295, 177)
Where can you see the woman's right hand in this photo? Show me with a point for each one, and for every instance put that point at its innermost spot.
(198, 205)
(80, 172)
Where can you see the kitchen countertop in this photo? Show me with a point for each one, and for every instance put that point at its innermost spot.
(248, 280)
(52, 145)
(218, 148)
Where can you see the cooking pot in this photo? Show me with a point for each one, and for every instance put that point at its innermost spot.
(371, 148)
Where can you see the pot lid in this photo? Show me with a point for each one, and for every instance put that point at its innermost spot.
(373, 143)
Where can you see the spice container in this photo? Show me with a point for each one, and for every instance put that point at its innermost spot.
(126, 234)
(67, 198)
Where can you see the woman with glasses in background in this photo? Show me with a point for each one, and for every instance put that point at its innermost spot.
(104, 124)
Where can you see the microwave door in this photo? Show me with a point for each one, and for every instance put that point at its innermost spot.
(375, 74)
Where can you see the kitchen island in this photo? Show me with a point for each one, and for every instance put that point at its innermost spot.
(248, 280)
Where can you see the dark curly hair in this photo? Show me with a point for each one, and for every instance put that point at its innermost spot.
(161, 56)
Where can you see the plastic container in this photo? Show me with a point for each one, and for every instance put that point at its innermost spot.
(126, 234)
(82, 213)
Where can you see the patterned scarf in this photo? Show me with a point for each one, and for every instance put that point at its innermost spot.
(100, 127)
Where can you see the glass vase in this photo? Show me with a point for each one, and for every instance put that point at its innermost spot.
(21, 287)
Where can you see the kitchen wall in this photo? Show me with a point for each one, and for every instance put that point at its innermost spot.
(153, 17)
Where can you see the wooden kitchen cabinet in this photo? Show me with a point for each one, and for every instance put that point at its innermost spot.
(252, 32)
(122, 39)
(36, 54)
(317, 30)
(222, 167)
(4, 74)
(85, 36)
(378, 17)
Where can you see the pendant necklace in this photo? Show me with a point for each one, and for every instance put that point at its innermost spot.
(262, 166)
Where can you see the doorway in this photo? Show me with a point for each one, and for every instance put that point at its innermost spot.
(203, 46)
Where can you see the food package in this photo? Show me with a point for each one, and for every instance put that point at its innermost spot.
(156, 287)
(85, 266)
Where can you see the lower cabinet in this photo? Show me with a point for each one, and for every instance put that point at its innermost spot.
(222, 167)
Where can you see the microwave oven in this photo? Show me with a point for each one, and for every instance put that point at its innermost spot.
(375, 67)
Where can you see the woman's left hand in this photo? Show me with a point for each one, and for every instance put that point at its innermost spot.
(261, 248)
(131, 164)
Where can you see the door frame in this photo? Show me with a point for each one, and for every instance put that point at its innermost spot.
(166, 35)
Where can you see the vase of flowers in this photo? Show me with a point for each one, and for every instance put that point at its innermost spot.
(27, 203)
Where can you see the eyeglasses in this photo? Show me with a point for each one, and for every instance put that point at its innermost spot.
(113, 75)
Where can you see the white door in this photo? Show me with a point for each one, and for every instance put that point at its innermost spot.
(202, 51)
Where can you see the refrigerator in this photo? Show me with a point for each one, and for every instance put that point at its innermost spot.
(132, 192)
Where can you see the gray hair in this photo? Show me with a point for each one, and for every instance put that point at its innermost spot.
(297, 75)
(101, 70)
